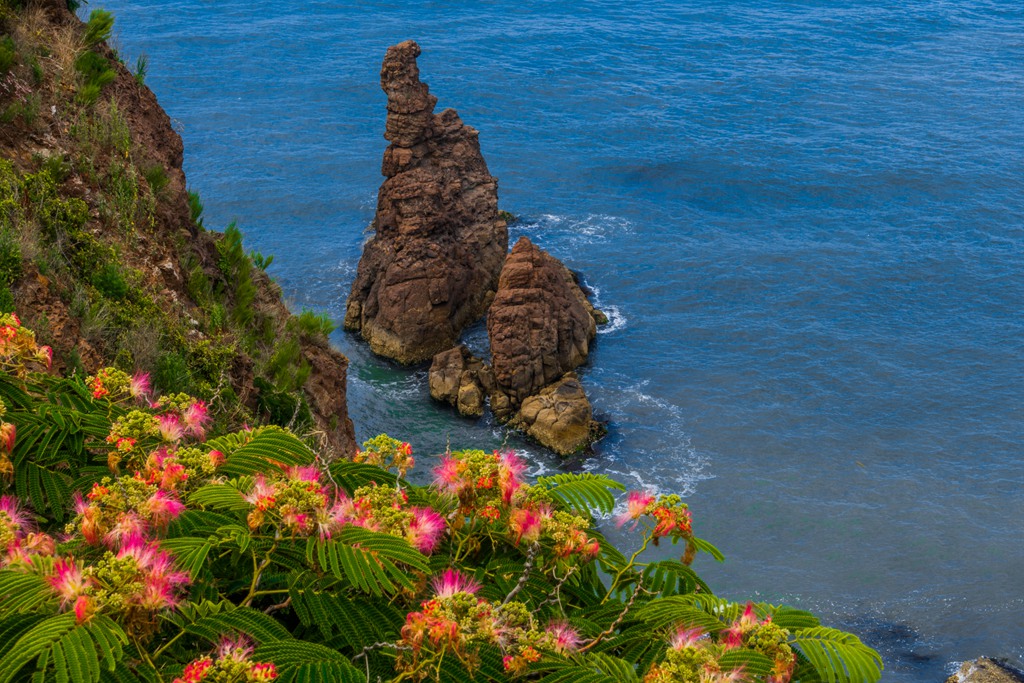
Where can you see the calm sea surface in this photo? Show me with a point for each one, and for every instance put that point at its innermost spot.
(805, 220)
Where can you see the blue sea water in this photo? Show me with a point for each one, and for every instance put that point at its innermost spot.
(805, 219)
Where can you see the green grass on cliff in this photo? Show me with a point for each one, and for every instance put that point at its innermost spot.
(109, 251)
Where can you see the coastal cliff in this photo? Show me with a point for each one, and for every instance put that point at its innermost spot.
(103, 249)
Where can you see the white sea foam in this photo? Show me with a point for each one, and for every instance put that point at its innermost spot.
(660, 458)
(616, 320)
(577, 230)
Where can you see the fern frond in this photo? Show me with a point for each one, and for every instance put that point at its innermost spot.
(222, 496)
(351, 475)
(677, 610)
(190, 552)
(266, 450)
(670, 577)
(582, 492)
(21, 592)
(596, 668)
(838, 657)
(707, 547)
(253, 623)
(75, 651)
(367, 559)
(354, 620)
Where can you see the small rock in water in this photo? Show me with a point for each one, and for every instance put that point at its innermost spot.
(985, 670)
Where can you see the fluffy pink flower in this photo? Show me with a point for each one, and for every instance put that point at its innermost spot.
(41, 544)
(446, 475)
(262, 493)
(298, 521)
(195, 671)
(307, 473)
(196, 417)
(263, 672)
(686, 637)
(67, 580)
(163, 507)
(160, 579)
(139, 386)
(17, 554)
(17, 518)
(170, 427)
(425, 530)
(733, 636)
(510, 475)
(636, 505)
(157, 594)
(452, 582)
(238, 648)
(143, 552)
(527, 523)
(335, 517)
(129, 525)
(566, 638)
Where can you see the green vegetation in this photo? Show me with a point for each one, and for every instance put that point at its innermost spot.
(315, 325)
(141, 68)
(162, 548)
(94, 68)
(85, 219)
(195, 207)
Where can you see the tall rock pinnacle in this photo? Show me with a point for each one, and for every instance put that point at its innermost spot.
(432, 266)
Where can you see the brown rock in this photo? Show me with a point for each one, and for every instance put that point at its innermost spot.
(460, 379)
(984, 670)
(433, 263)
(326, 392)
(540, 324)
(559, 417)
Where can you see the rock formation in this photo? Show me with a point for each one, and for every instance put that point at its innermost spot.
(461, 380)
(984, 670)
(433, 263)
(559, 416)
(540, 324)
(540, 327)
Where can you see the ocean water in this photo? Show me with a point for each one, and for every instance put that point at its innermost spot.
(805, 219)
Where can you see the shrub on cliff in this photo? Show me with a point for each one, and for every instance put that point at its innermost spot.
(141, 547)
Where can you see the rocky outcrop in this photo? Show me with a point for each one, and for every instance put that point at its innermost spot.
(461, 380)
(432, 264)
(559, 417)
(985, 670)
(540, 325)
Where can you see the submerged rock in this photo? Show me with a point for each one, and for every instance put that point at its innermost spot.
(985, 670)
(432, 266)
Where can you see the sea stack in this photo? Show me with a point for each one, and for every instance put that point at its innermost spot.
(432, 265)
(540, 327)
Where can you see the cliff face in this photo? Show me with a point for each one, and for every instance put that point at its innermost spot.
(102, 248)
(433, 263)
